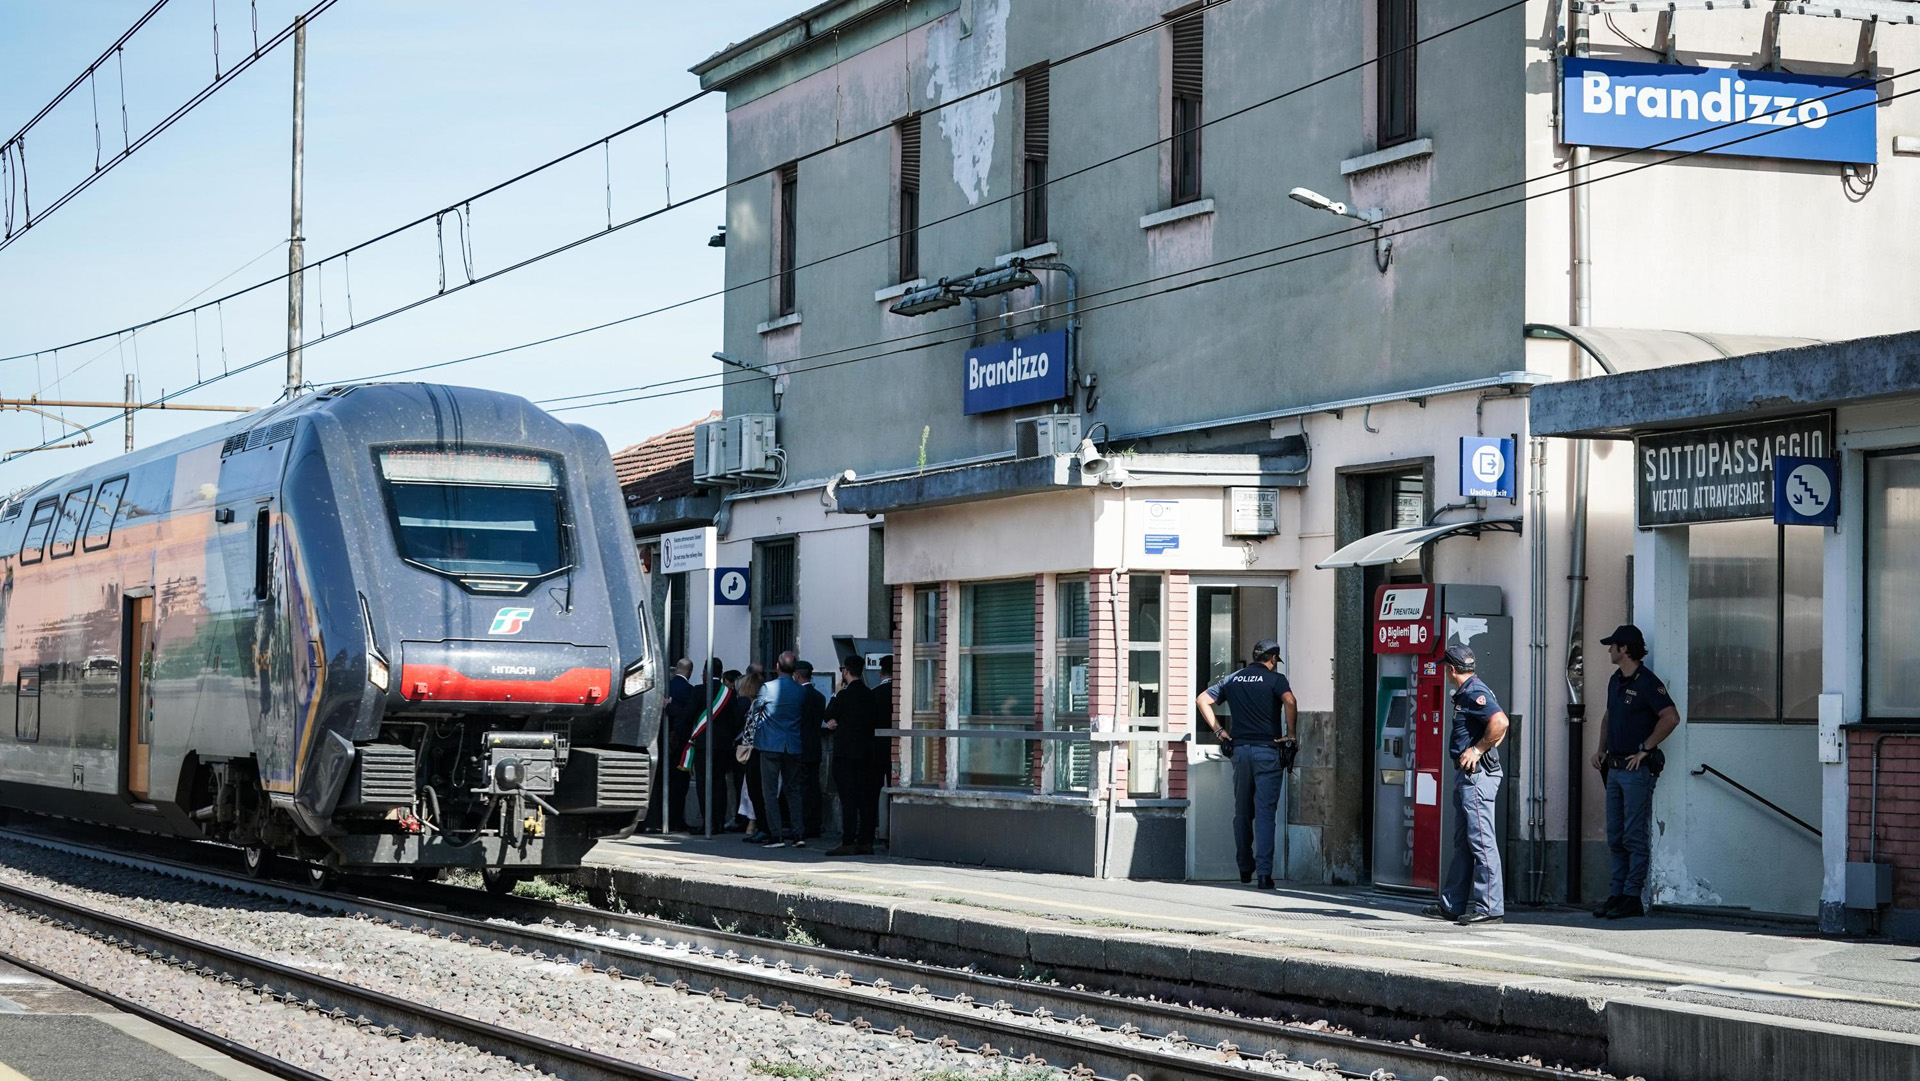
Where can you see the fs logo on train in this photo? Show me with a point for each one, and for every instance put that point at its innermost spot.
(510, 620)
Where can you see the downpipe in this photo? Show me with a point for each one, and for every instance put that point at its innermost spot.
(1577, 546)
(1537, 670)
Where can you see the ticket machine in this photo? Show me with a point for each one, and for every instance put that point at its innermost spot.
(1412, 626)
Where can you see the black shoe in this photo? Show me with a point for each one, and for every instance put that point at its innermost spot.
(1266, 882)
(1438, 912)
(1606, 907)
(1628, 908)
(1477, 919)
(1246, 877)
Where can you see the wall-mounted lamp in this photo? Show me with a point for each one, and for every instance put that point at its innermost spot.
(992, 283)
(1373, 216)
(933, 298)
(718, 239)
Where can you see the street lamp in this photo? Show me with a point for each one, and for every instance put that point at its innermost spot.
(992, 283)
(1373, 216)
(932, 298)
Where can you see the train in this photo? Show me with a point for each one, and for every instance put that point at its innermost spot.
(393, 627)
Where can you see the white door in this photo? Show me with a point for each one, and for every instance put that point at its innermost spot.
(1229, 614)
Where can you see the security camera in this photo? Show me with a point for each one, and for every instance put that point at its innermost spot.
(1317, 201)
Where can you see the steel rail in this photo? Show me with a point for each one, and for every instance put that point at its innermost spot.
(1062, 1025)
(335, 998)
(239, 1052)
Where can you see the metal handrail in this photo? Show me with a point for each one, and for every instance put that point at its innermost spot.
(1065, 735)
(1772, 806)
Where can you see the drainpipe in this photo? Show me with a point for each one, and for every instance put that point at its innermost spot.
(1073, 317)
(1537, 669)
(1577, 551)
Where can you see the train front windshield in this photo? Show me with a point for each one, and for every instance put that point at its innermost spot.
(476, 513)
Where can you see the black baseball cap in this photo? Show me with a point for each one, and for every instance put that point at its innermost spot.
(1460, 658)
(1626, 635)
(1265, 646)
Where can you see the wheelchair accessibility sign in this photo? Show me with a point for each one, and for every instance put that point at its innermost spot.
(1806, 491)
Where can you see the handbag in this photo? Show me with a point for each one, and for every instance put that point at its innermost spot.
(755, 714)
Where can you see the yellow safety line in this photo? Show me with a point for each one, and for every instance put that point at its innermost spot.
(8, 1073)
(1475, 952)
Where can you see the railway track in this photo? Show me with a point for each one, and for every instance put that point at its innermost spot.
(1101, 1034)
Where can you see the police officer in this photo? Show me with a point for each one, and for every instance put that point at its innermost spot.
(1262, 709)
(1640, 714)
(1474, 892)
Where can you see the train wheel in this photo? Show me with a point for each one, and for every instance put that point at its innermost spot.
(425, 874)
(498, 882)
(259, 861)
(320, 876)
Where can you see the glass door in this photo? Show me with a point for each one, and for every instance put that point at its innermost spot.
(1229, 616)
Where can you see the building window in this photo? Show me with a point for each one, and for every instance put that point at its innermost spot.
(1394, 73)
(778, 594)
(1753, 622)
(789, 231)
(1037, 92)
(1146, 675)
(908, 133)
(1189, 50)
(1072, 762)
(996, 680)
(1893, 575)
(927, 769)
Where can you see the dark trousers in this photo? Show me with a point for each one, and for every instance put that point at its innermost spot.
(780, 786)
(1474, 882)
(812, 800)
(1629, 837)
(858, 782)
(677, 779)
(1256, 800)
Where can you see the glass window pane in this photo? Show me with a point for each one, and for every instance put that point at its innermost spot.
(1070, 683)
(1800, 675)
(997, 685)
(1001, 614)
(1145, 770)
(1893, 573)
(72, 512)
(923, 689)
(1143, 685)
(1733, 625)
(105, 507)
(1143, 608)
(926, 616)
(996, 763)
(1072, 761)
(467, 529)
(1073, 609)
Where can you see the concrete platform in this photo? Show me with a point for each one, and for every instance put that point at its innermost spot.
(1643, 997)
(51, 1033)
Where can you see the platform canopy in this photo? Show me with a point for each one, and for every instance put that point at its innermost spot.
(1394, 545)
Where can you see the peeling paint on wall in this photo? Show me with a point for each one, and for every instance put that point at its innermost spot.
(959, 63)
(1672, 883)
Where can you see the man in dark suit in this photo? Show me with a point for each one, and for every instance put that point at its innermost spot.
(852, 717)
(682, 710)
(813, 709)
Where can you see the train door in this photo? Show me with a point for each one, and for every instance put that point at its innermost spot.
(139, 697)
(1228, 616)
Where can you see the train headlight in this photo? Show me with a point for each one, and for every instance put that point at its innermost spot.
(377, 672)
(638, 680)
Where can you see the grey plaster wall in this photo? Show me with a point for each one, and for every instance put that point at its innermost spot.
(1319, 329)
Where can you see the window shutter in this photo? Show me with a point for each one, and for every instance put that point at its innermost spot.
(1002, 616)
(1189, 46)
(910, 154)
(1039, 119)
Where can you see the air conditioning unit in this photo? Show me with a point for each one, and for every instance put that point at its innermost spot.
(735, 448)
(1052, 433)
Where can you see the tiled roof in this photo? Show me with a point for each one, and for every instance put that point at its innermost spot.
(661, 467)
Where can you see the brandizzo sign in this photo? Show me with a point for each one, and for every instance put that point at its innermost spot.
(1025, 371)
(1802, 117)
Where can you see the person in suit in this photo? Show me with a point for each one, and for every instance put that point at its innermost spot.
(813, 708)
(682, 708)
(852, 717)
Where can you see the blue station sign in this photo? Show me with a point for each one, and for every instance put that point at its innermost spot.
(1806, 491)
(1487, 467)
(1671, 107)
(1024, 371)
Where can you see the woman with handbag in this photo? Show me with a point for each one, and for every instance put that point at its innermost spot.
(747, 693)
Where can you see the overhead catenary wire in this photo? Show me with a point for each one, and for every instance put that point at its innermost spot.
(967, 335)
(17, 145)
(659, 114)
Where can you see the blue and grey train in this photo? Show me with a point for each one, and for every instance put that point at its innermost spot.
(385, 626)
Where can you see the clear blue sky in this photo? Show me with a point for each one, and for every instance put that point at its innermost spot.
(409, 107)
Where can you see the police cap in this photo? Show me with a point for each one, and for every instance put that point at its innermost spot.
(1460, 658)
(1626, 635)
(1265, 648)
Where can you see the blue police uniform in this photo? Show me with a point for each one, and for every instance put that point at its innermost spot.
(1634, 705)
(1253, 697)
(1474, 884)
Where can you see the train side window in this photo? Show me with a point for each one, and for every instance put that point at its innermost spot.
(26, 715)
(262, 554)
(72, 512)
(106, 508)
(33, 545)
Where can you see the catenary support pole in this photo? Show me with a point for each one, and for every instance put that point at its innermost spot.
(1577, 542)
(130, 406)
(296, 242)
(707, 665)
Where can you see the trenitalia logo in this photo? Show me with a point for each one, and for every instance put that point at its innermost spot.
(510, 620)
(1756, 114)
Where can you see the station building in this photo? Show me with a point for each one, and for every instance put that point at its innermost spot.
(1038, 379)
